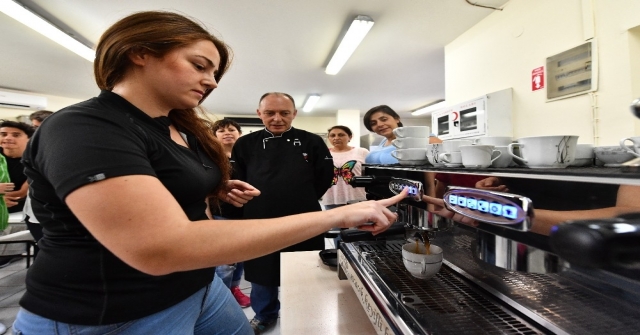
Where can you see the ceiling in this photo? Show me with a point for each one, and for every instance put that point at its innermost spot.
(279, 45)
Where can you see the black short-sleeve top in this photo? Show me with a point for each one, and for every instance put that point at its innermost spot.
(75, 279)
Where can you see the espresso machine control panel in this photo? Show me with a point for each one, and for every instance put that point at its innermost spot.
(416, 190)
(505, 209)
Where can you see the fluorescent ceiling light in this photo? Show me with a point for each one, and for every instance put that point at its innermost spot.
(357, 31)
(430, 108)
(24, 16)
(312, 99)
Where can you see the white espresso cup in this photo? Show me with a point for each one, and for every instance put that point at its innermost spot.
(454, 145)
(504, 160)
(451, 158)
(632, 149)
(412, 131)
(478, 156)
(410, 142)
(497, 141)
(412, 154)
(546, 151)
(433, 150)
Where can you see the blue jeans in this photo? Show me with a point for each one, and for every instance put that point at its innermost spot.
(212, 310)
(264, 301)
(231, 275)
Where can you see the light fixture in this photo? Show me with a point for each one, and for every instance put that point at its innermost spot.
(31, 20)
(357, 31)
(312, 99)
(430, 108)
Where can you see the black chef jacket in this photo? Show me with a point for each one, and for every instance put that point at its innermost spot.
(292, 172)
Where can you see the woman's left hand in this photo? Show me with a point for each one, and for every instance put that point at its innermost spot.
(238, 193)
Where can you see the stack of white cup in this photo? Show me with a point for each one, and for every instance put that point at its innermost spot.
(411, 145)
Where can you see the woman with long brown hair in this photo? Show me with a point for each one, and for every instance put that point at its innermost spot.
(119, 184)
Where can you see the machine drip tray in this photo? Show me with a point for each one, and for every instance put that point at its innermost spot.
(469, 296)
(444, 304)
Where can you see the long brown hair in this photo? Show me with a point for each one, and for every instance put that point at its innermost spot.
(158, 33)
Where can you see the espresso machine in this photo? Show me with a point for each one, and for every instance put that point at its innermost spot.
(497, 275)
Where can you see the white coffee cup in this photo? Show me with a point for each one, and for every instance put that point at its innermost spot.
(412, 154)
(410, 142)
(433, 150)
(454, 145)
(632, 149)
(412, 131)
(546, 151)
(451, 158)
(421, 265)
(497, 141)
(504, 160)
(478, 156)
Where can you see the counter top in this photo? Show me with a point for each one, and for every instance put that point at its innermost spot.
(315, 301)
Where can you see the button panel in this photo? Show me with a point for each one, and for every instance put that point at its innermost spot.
(488, 206)
(416, 190)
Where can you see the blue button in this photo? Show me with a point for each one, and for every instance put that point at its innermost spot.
(453, 199)
(510, 212)
(472, 203)
(483, 206)
(495, 209)
(462, 201)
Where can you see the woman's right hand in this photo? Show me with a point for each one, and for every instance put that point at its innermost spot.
(372, 216)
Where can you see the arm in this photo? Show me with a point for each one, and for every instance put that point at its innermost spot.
(146, 228)
(627, 201)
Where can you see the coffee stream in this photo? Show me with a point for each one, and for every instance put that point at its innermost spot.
(427, 244)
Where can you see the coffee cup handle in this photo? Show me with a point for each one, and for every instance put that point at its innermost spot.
(498, 156)
(394, 154)
(443, 157)
(396, 144)
(510, 148)
(626, 148)
(396, 132)
(424, 267)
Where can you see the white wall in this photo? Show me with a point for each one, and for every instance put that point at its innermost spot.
(503, 49)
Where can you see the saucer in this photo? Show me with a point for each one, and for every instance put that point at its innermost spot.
(414, 162)
(453, 164)
(612, 165)
(477, 166)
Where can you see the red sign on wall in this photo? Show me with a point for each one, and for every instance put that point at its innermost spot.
(537, 78)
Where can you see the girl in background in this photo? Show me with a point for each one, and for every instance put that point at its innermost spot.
(382, 120)
(347, 163)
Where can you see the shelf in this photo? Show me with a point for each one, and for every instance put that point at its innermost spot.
(603, 175)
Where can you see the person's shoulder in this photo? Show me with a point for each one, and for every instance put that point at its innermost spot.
(249, 137)
(362, 150)
(308, 134)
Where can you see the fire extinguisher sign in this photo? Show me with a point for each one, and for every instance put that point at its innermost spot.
(537, 78)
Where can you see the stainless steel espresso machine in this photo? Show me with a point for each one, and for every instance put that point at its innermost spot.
(498, 276)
